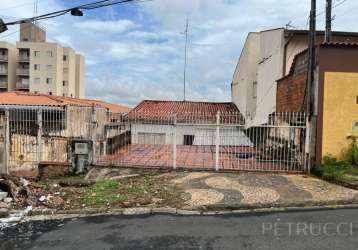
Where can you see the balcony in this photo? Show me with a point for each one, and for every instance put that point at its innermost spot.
(24, 58)
(24, 84)
(22, 72)
(3, 58)
(3, 84)
(3, 71)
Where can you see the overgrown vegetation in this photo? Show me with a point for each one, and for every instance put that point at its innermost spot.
(103, 192)
(345, 170)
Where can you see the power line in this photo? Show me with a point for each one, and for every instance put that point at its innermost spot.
(74, 10)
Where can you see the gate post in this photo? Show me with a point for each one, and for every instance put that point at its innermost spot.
(217, 141)
(175, 142)
(39, 135)
(7, 141)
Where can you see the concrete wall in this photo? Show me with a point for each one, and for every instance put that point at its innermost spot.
(80, 76)
(245, 75)
(340, 111)
(203, 135)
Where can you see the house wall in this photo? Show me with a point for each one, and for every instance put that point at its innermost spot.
(203, 135)
(290, 94)
(269, 70)
(245, 75)
(340, 111)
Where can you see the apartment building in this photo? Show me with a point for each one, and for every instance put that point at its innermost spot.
(266, 57)
(8, 54)
(43, 67)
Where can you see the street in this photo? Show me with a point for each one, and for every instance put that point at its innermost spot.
(324, 229)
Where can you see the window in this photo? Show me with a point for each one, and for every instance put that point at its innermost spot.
(36, 66)
(48, 80)
(355, 126)
(37, 53)
(254, 90)
(50, 93)
(37, 80)
(357, 100)
(63, 83)
(65, 58)
(49, 53)
(188, 139)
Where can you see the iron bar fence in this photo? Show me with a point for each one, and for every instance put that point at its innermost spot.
(206, 140)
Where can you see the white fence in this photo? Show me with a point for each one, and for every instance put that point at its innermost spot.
(209, 141)
(217, 141)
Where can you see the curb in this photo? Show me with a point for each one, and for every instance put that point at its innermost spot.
(138, 211)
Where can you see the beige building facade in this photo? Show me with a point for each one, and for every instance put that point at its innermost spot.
(8, 55)
(266, 57)
(42, 67)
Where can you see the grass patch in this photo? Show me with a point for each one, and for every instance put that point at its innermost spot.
(338, 171)
(104, 192)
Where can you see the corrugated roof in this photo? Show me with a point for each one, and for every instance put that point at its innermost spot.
(183, 110)
(32, 99)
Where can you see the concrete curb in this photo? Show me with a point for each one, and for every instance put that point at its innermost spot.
(43, 214)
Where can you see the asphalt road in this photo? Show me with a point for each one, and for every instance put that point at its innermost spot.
(333, 229)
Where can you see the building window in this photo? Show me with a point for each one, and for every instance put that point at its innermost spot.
(65, 58)
(37, 53)
(357, 100)
(254, 90)
(36, 66)
(355, 126)
(50, 93)
(48, 80)
(37, 80)
(188, 139)
(49, 53)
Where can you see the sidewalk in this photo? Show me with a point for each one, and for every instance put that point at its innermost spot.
(207, 190)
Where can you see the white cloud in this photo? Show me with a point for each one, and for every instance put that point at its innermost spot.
(137, 53)
(117, 26)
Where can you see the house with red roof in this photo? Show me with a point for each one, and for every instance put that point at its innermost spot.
(195, 123)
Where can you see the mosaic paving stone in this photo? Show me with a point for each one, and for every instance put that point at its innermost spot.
(252, 195)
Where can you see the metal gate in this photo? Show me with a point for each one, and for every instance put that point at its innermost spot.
(3, 137)
(202, 141)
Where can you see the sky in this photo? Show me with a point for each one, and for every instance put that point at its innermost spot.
(136, 51)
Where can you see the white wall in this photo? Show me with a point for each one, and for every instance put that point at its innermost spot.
(269, 70)
(203, 135)
(245, 75)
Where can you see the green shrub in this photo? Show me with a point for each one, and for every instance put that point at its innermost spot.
(351, 153)
(332, 169)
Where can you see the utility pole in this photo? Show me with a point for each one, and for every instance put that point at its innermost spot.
(328, 33)
(311, 59)
(310, 89)
(185, 56)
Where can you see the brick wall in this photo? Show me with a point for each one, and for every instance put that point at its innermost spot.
(291, 93)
